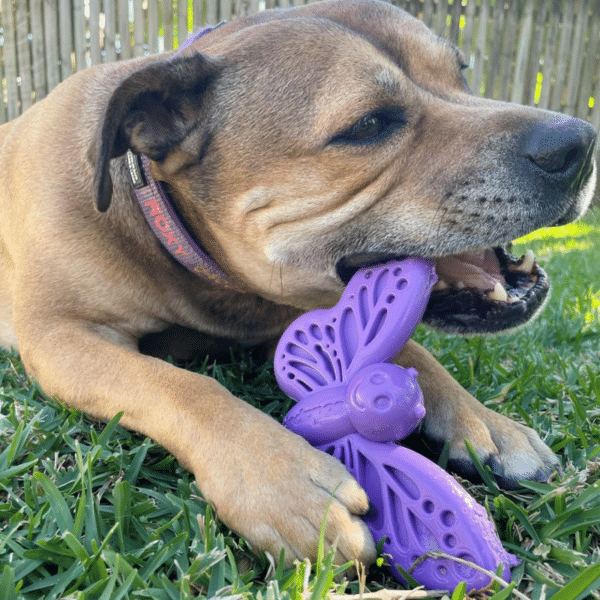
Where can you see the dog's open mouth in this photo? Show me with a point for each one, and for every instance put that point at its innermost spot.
(477, 292)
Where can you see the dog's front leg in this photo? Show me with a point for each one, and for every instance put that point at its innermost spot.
(265, 482)
(512, 450)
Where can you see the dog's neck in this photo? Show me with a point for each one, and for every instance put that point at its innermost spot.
(162, 217)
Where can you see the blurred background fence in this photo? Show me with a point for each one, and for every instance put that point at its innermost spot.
(539, 52)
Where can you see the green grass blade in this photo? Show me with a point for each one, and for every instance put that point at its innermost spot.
(132, 472)
(460, 591)
(505, 593)
(77, 547)
(521, 514)
(122, 504)
(124, 588)
(7, 584)
(163, 555)
(15, 445)
(321, 546)
(580, 587)
(324, 579)
(108, 430)
(58, 505)
(7, 474)
(484, 472)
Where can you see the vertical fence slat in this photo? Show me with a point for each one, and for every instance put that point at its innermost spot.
(455, 15)
(139, 22)
(577, 53)
(439, 23)
(153, 26)
(197, 13)
(182, 28)
(3, 111)
(495, 46)
(24, 55)
(480, 47)
(595, 119)
(520, 79)
(64, 29)
(592, 64)
(595, 113)
(428, 12)
(94, 29)
(550, 55)
(563, 56)
(509, 45)
(10, 64)
(110, 31)
(468, 30)
(226, 10)
(535, 66)
(168, 23)
(212, 17)
(79, 30)
(249, 7)
(51, 52)
(38, 50)
(124, 29)
(254, 4)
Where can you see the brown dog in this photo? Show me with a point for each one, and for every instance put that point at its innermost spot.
(297, 146)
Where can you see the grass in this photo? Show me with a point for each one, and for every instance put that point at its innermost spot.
(91, 511)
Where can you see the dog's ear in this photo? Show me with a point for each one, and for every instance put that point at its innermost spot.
(151, 112)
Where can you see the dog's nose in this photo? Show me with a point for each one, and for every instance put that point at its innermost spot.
(562, 148)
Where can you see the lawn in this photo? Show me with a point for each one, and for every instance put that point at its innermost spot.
(91, 511)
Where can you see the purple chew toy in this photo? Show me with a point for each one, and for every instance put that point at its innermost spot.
(353, 404)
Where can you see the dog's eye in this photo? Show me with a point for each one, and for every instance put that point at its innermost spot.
(373, 127)
(367, 127)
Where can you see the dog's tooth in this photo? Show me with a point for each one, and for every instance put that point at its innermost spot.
(440, 286)
(459, 285)
(498, 293)
(526, 263)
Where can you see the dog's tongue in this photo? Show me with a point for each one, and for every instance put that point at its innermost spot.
(478, 270)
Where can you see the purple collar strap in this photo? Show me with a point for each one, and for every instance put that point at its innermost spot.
(198, 35)
(166, 225)
(162, 217)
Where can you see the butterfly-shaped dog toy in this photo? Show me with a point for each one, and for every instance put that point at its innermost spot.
(354, 404)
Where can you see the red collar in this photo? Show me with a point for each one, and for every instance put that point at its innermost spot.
(161, 216)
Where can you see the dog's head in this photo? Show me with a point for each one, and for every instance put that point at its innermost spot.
(300, 145)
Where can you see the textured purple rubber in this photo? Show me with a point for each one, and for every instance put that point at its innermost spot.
(352, 404)
(417, 508)
(375, 317)
(383, 402)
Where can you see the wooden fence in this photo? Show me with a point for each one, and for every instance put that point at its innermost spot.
(544, 53)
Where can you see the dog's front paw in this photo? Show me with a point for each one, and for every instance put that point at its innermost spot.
(512, 451)
(270, 486)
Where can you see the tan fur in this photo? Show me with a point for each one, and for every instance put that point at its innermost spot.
(273, 202)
